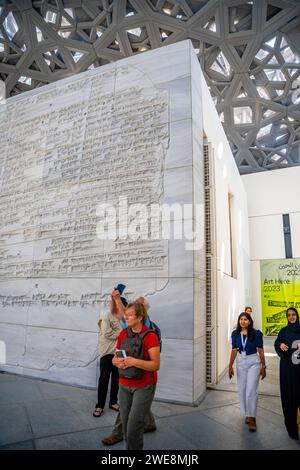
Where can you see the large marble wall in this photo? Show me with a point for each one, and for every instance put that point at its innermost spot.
(132, 129)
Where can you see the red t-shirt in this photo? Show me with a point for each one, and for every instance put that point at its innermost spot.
(147, 378)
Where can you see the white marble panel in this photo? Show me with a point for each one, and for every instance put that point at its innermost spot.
(83, 376)
(15, 300)
(162, 65)
(198, 158)
(199, 367)
(131, 129)
(197, 129)
(172, 308)
(135, 90)
(14, 338)
(16, 260)
(197, 111)
(200, 252)
(198, 177)
(58, 248)
(195, 65)
(180, 103)
(180, 151)
(175, 377)
(135, 287)
(75, 84)
(144, 259)
(181, 238)
(180, 258)
(199, 308)
(195, 77)
(178, 187)
(71, 303)
(177, 92)
(54, 353)
(193, 238)
(7, 238)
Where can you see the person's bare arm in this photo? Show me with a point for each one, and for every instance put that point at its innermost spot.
(263, 362)
(231, 362)
(117, 298)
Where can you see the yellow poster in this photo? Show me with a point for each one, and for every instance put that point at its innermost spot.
(280, 289)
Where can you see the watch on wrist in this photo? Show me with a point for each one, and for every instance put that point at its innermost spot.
(264, 366)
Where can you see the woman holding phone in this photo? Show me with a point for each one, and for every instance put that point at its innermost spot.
(110, 327)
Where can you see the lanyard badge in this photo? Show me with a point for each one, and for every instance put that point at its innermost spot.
(244, 342)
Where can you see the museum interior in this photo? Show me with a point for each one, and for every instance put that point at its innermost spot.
(153, 143)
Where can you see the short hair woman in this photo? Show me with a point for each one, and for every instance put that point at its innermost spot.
(136, 394)
(110, 327)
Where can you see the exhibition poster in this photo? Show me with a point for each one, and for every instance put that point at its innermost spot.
(280, 289)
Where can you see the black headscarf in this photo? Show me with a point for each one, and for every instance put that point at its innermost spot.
(295, 327)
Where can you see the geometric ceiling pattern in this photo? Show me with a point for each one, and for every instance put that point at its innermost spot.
(249, 52)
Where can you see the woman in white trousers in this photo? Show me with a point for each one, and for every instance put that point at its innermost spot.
(247, 347)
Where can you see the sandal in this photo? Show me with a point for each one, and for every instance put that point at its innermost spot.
(97, 412)
(115, 407)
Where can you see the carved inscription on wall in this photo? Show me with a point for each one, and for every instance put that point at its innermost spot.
(28, 300)
(64, 151)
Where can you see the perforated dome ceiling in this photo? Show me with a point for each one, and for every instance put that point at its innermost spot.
(249, 51)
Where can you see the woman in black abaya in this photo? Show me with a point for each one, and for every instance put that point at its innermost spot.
(287, 346)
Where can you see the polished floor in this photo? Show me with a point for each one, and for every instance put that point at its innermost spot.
(35, 414)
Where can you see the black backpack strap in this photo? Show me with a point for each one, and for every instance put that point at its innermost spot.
(142, 335)
(157, 331)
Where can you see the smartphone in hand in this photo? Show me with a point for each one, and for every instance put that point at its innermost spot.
(121, 353)
(120, 288)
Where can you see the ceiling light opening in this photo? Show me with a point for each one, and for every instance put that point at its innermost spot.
(135, 31)
(70, 12)
(50, 17)
(242, 115)
(264, 131)
(271, 42)
(263, 92)
(221, 65)
(39, 34)
(24, 79)
(262, 54)
(275, 75)
(10, 25)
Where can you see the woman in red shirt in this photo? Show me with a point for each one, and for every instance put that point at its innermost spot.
(136, 394)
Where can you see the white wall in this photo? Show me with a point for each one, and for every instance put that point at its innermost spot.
(232, 292)
(140, 137)
(271, 194)
(48, 337)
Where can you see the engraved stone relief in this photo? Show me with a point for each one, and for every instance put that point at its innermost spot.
(77, 145)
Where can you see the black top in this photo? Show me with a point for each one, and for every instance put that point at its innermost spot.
(289, 335)
(251, 346)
